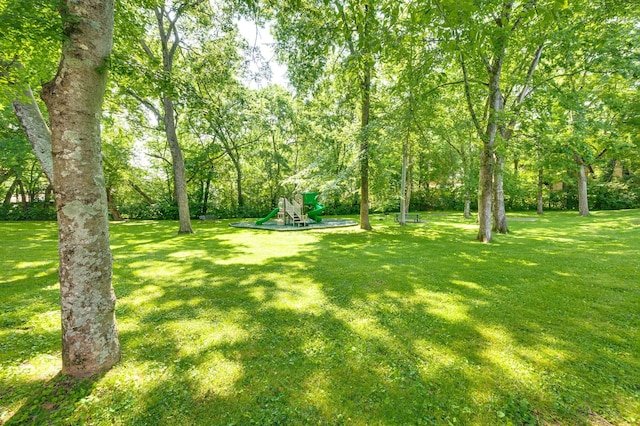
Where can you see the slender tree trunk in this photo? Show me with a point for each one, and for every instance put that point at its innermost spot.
(466, 172)
(364, 150)
(115, 214)
(74, 98)
(467, 205)
(403, 183)
(540, 188)
(236, 165)
(179, 174)
(23, 196)
(170, 42)
(205, 198)
(583, 201)
(499, 214)
(37, 131)
(407, 198)
(7, 198)
(47, 195)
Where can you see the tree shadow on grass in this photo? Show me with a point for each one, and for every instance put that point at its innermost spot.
(53, 401)
(418, 326)
(423, 333)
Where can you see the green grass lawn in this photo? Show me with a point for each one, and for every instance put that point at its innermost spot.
(417, 325)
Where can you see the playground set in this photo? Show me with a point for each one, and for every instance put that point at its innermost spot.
(302, 212)
(297, 212)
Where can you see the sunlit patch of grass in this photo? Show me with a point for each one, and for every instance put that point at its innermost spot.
(403, 325)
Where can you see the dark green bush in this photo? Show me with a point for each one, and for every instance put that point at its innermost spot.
(613, 196)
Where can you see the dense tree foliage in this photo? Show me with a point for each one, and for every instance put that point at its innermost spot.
(393, 106)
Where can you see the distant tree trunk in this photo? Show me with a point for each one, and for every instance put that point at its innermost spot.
(205, 195)
(540, 188)
(465, 155)
(583, 201)
(179, 173)
(23, 195)
(7, 198)
(364, 149)
(74, 98)
(47, 194)
(403, 182)
(499, 214)
(235, 159)
(37, 131)
(115, 214)
(170, 41)
(467, 204)
(409, 188)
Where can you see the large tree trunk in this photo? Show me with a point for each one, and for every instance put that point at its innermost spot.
(179, 174)
(485, 201)
(74, 98)
(485, 193)
(499, 214)
(37, 131)
(583, 201)
(364, 150)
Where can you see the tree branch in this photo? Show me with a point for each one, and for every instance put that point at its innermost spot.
(147, 104)
(467, 93)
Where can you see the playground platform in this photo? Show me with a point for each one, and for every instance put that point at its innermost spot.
(272, 225)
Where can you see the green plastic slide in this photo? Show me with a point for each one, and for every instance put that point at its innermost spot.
(267, 217)
(315, 213)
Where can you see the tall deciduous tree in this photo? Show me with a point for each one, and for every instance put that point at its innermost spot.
(170, 41)
(315, 32)
(74, 99)
(157, 66)
(500, 48)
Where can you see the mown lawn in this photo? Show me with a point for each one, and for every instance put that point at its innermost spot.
(417, 325)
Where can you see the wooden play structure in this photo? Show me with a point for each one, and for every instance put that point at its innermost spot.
(297, 212)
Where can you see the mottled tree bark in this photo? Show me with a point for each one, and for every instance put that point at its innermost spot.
(485, 193)
(74, 98)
